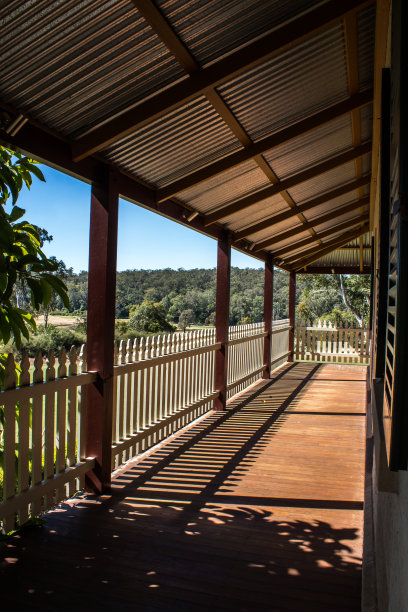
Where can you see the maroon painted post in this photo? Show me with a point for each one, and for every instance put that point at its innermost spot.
(292, 302)
(101, 325)
(222, 318)
(268, 303)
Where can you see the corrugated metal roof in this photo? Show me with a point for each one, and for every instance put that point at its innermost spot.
(212, 28)
(257, 212)
(228, 186)
(344, 257)
(324, 182)
(310, 148)
(185, 140)
(74, 64)
(366, 39)
(292, 85)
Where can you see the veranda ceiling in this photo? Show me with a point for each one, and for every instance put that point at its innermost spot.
(252, 115)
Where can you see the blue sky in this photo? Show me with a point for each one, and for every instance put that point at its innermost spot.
(145, 239)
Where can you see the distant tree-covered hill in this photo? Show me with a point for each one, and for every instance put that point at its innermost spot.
(194, 290)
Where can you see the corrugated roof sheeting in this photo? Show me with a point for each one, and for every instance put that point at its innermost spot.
(73, 64)
(289, 87)
(312, 147)
(212, 28)
(288, 241)
(235, 183)
(329, 180)
(366, 40)
(257, 212)
(321, 227)
(183, 141)
(343, 257)
(235, 224)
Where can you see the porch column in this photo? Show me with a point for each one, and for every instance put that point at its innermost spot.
(268, 302)
(222, 318)
(101, 325)
(292, 301)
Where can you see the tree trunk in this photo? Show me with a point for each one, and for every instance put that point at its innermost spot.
(347, 303)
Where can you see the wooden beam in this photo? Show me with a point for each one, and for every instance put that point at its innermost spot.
(296, 179)
(222, 318)
(325, 251)
(251, 151)
(301, 208)
(291, 259)
(160, 25)
(101, 326)
(320, 235)
(251, 55)
(301, 228)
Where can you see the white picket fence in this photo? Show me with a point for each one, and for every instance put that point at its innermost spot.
(325, 341)
(245, 353)
(43, 434)
(161, 384)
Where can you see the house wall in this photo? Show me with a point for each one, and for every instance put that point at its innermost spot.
(390, 513)
(386, 522)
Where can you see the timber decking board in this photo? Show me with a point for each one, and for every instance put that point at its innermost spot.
(258, 508)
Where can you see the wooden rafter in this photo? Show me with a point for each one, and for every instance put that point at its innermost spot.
(266, 144)
(329, 249)
(360, 220)
(301, 228)
(288, 183)
(245, 58)
(301, 208)
(321, 235)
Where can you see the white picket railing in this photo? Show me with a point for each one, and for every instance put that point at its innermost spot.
(245, 353)
(161, 384)
(43, 434)
(325, 341)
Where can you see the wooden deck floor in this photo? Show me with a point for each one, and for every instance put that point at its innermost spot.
(259, 508)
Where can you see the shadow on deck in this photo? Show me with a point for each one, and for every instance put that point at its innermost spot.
(258, 508)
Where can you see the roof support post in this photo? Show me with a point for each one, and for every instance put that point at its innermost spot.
(101, 325)
(292, 302)
(222, 318)
(268, 302)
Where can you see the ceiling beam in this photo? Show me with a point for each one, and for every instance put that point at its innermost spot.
(318, 221)
(288, 183)
(329, 249)
(276, 255)
(360, 220)
(251, 55)
(301, 208)
(252, 150)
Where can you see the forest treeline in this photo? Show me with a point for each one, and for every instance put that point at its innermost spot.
(344, 298)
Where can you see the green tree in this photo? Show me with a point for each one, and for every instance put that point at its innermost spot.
(186, 318)
(149, 317)
(22, 262)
